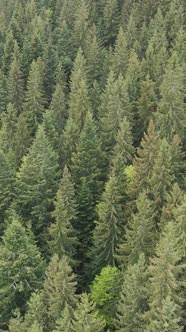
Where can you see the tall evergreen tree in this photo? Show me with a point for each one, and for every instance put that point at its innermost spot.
(120, 55)
(37, 183)
(59, 289)
(79, 103)
(133, 298)
(144, 159)
(87, 317)
(35, 101)
(62, 231)
(107, 233)
(16, 83)
(140, 234)
(21, 270)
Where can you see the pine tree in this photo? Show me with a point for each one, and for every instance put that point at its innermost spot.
(35, 102)
(140, 234)
(37, 183)
(107, 233)
(59, 289)
(21, 268)
(87, 317)
(62, 231)
(133, 298)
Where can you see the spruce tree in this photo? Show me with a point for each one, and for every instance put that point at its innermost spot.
(164, 285)
(62, 231)
(120, 55)
(162, 177)
(79, 103)
(81, 24)
(133, 298)
(86, 172)
(3, 92)
(140, 234)
(21, 270)
(110, 22)
(165, 318)
(15, 82)
(171, 116)
(86, 317)
(107, 232)
(114, 108)
(35, 102)
(65, 322)
(59, 289)
(37, 184)
(144, 160)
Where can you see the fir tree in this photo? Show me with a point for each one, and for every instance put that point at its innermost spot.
(3, 92)
(81, 24)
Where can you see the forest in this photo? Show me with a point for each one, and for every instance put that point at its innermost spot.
(92, 166)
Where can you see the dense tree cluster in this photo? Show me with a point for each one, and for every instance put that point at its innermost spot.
(92, 166)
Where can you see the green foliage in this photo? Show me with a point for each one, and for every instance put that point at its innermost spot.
(133, 298)
(104, 291)
(86, 317)
(21, 270)
(62, 231)
(37, 183)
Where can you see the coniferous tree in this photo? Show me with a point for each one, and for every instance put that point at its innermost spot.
(144, 159)
(79, 103)
(15, 82)
(140, 232)
(133, 298)
(35, 101)
(86, 317)
(62, 231)
(59, 289)
(171, 116)
(115, 105)
(3, 92)
(86, 171)
(64, 324)
(165, 268)
(120, 55)
(22, 268)
(107, 233)
(37, 183)
(81, 24)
